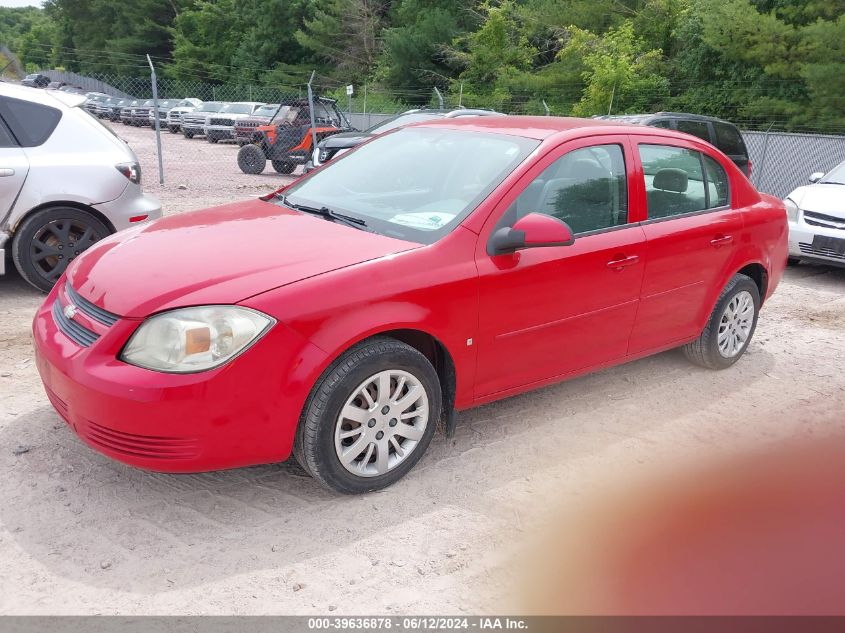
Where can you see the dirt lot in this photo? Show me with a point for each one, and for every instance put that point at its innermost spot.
(80, 534)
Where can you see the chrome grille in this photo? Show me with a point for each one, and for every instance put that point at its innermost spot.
(95, 312)
(808, 249)
(74, 331)
(821, 219)
(228, 122)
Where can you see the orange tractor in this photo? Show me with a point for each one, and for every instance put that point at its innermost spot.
(286, 141)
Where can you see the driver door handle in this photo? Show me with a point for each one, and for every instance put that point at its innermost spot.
(624, 262)
(721, 240)
(6, 171)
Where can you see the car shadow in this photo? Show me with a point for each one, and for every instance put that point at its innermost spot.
(83, 516)
(816, 276)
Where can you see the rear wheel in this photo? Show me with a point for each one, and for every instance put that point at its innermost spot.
(187, 133)
(212, 138)
(251, 159)
(47, 241)
(731, 325)
(283, 166)
(173, 129)
(370, 417)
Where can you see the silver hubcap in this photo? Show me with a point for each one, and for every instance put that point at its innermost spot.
(381, 423)
(735, 324)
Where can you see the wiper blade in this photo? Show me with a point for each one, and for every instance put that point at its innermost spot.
(326, 212)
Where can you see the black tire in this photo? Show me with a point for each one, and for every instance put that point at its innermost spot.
(211, 138)
(793, 261)
(251, 159)
(314, 446)
(283, 166)
(173, 129)
(704, 350)
(187, 133)
(65, 231)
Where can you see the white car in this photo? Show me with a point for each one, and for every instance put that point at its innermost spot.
(221, 125)
(816, 214)
(66, 181)
(174, 115)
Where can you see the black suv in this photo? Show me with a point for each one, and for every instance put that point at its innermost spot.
(722, 134)
(340, 143)
(36, 80)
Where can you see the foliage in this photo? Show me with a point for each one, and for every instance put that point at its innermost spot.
(758, 62)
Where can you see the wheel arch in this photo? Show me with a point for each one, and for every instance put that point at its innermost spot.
(421, 340)
(46, 206)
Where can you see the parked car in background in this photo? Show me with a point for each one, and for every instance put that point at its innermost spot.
(435, 268)
(816, 215)
(67, 182)
(174, 115)
(338, 144)
(36, 80)
(141, 113)
(72, 89)
(115, 107)
(103, 108)
(287, 140)
(722, 134)
(164, 106)
(244, 128)
(194, 123)
(221, 125)
(92, 100)
(55, 85)
(126, 112)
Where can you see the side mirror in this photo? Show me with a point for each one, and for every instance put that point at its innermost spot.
(531, 231)
(816, 176)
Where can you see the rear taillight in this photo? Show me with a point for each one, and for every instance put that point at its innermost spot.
(132, 171)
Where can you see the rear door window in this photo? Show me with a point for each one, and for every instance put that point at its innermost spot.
(696, 128)
(30, 123)
(729, 140)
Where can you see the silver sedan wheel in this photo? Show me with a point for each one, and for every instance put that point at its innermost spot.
(735, 324)
(381, 423)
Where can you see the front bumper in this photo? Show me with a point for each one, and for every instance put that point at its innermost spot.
(803, 243)
(241, 414)
(219, 131)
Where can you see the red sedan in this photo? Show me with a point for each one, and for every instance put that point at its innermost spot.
(433, 269)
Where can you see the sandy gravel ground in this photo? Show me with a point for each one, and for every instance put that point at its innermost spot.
(80, 534)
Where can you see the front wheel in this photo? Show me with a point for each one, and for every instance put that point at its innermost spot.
(370, 417)
(283, 166)
(47, 241)
(187, 133)
(251, 159)
(730, 327)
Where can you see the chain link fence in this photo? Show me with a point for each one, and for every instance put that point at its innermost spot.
(205, 128)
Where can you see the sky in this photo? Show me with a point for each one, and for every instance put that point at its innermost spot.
(20, 3)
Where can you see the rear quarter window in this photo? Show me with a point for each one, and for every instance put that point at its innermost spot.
(31, 123)
(729, 140)
(696, 128)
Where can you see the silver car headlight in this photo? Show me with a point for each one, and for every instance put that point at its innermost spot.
(791, 210)
(190, 340)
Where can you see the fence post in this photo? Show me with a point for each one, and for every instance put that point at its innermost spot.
(365, 106)
(311, 108)
(548, 112)
(758, 173)
(155, 118)
(439, 97)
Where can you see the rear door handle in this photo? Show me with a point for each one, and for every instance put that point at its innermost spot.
(721, 240)
(621, 264)
(6, 171)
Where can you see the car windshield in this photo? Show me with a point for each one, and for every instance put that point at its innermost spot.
(267, 110)
(835, 176)
(415, 184)
(210, 106)
(149, 102)
(399, 121)
(286, 114)
(237, 108)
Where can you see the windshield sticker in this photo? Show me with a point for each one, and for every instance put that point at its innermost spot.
(423, 221)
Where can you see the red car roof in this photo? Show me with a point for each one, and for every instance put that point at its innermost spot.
(536, 127)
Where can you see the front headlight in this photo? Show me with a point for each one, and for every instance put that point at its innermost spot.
(791, 210)
(194, 339)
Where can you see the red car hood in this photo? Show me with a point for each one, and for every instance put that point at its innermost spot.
(218, 255)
